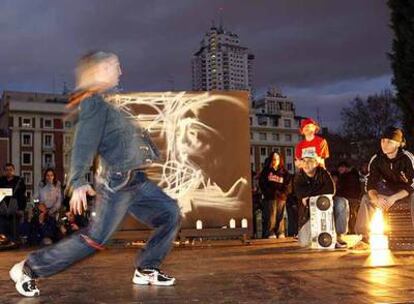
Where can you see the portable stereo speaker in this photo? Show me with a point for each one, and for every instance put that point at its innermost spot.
(323, 234)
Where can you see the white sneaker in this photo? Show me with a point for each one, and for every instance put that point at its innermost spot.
(152, 277)
(281, 236)
(25, 285)
(272, 236)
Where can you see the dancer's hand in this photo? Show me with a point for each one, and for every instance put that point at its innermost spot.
(78, 202)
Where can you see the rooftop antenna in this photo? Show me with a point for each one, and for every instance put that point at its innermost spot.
(221, 19)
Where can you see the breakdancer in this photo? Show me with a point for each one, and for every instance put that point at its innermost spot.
(125, 151)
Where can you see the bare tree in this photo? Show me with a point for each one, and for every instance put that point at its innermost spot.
(364, 120)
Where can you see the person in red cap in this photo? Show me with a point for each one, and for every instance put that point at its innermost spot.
(311, 143)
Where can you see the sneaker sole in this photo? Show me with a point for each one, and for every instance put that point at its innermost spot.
(14, 276)
(142, 281)
(24, 293)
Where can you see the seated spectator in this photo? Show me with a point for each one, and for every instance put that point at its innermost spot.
(49, 192)
(348, 187)
(274, 181)
(12, 208)
(390, 179)
(314, 180)
(69, 224)
(25, 228)
(44, 227)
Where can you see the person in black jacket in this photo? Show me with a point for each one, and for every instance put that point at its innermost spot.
(313, 180)
(12, 207)
(390, 179)
(273, 182)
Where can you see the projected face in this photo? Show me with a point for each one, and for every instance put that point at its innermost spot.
(176, 120)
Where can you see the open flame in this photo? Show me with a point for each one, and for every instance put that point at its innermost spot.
(378, 240)
(380, 254)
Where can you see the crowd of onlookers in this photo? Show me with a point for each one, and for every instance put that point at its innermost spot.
(387, 178)
(42, 220)
(349, 183)
(356, 194)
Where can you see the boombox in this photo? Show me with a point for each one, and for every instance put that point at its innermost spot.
(322, 223)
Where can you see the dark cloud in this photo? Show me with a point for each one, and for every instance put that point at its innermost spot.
(298, 44)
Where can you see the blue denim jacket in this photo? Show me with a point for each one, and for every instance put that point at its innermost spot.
(104, 130)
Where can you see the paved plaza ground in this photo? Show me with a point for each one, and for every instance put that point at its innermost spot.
(229, 272)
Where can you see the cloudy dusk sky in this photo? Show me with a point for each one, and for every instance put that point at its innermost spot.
(321, 53)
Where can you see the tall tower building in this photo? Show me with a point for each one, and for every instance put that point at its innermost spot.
(222, 63)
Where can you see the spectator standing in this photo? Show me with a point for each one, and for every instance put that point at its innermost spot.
(274, 181)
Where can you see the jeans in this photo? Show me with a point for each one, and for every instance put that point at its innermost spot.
(273, 217)
(341, 214)
(139, 197)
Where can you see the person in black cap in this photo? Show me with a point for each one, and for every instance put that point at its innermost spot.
(390, 179)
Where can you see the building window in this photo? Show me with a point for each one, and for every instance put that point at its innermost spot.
(26, 139)
(251, 135)
(262, 136)
(251, 150)
(262, 121)
(68, 124)
(275, 136)
(28, 177)
(288, 137)
(27, 158)
(48, 124)
(26, 123)
(287, 123)
(288, 152)
(48, 160)
(263, 151)
(29, 195)
(48, 140)
(289, 167)
(67, 140)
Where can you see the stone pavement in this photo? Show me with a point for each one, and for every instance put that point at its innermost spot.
(278, 272)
